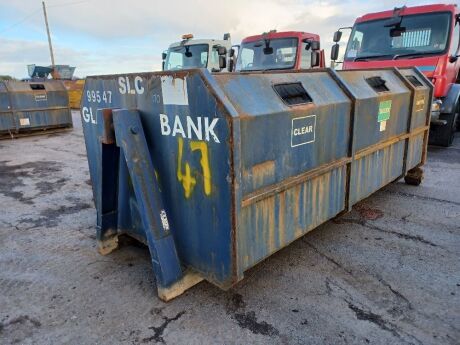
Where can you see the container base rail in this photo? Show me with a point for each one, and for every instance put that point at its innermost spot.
(216, 172)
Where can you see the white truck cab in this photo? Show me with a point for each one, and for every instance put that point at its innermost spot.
(215, 55)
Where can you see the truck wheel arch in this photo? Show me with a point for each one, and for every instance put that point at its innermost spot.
(451, 100)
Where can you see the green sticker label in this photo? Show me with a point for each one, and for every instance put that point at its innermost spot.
(384, 111)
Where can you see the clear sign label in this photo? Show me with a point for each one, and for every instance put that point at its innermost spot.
(303, 130)
(41, 97)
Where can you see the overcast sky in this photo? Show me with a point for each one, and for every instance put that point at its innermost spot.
(117, 36)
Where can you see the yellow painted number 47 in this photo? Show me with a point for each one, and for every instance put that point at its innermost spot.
(187, 177)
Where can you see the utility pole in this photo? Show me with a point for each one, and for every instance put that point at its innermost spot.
(49, 36)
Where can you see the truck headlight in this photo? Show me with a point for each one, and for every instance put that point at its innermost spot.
(436, 106)
(435, 111)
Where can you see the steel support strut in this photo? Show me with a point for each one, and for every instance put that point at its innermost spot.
(125, 128)
(130, 138)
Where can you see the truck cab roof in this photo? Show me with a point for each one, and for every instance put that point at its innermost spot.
(193, 41)
(409, 10)
(198, 53)
(284, 34)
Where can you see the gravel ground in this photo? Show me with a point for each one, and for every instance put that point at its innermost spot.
(386, 273)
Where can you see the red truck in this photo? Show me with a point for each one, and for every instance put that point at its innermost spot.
(423, 36)
(280, 51)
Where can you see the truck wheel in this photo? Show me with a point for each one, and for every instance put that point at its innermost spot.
(414, 176)
(443, 135)
(458, 121)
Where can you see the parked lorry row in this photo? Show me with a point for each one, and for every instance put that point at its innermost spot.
(269, 51)
(426, 37)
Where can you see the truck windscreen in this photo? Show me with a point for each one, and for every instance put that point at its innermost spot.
(414, 36)
(187, 56)
(279, 53)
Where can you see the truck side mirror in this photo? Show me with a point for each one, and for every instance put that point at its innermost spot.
(315, 58)
(236, 49)
(268, 50)
(335, 52)
(315, 45)
(222, 61)
(163, 65)
(337, 36)
(397, 31)
(232, 52)
(163, 56)
(221, 50)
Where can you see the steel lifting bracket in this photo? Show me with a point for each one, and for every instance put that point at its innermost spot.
(123, 128)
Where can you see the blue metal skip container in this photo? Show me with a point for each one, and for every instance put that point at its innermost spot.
(217, 172)
(33, 107)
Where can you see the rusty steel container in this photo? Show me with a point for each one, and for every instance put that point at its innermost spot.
(74, 90)
(217, 172)
(33, 107)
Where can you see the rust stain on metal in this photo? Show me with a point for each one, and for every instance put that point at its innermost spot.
(264, 192)
(295, 194)
(260, 172)
(383, 144)
(108, 134)
(269, 208)
(281, 220)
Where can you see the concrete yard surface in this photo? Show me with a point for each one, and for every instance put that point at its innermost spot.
(386, 273)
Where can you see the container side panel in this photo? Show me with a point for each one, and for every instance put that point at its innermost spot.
(43, 119)
(415, 151)
(381, 113)
(4, 98)
(370, 129)
(272, 150)
(280, 141)
(272, 223)
(7, 123)
(194, 171)
(373, 171)
(421, 106)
